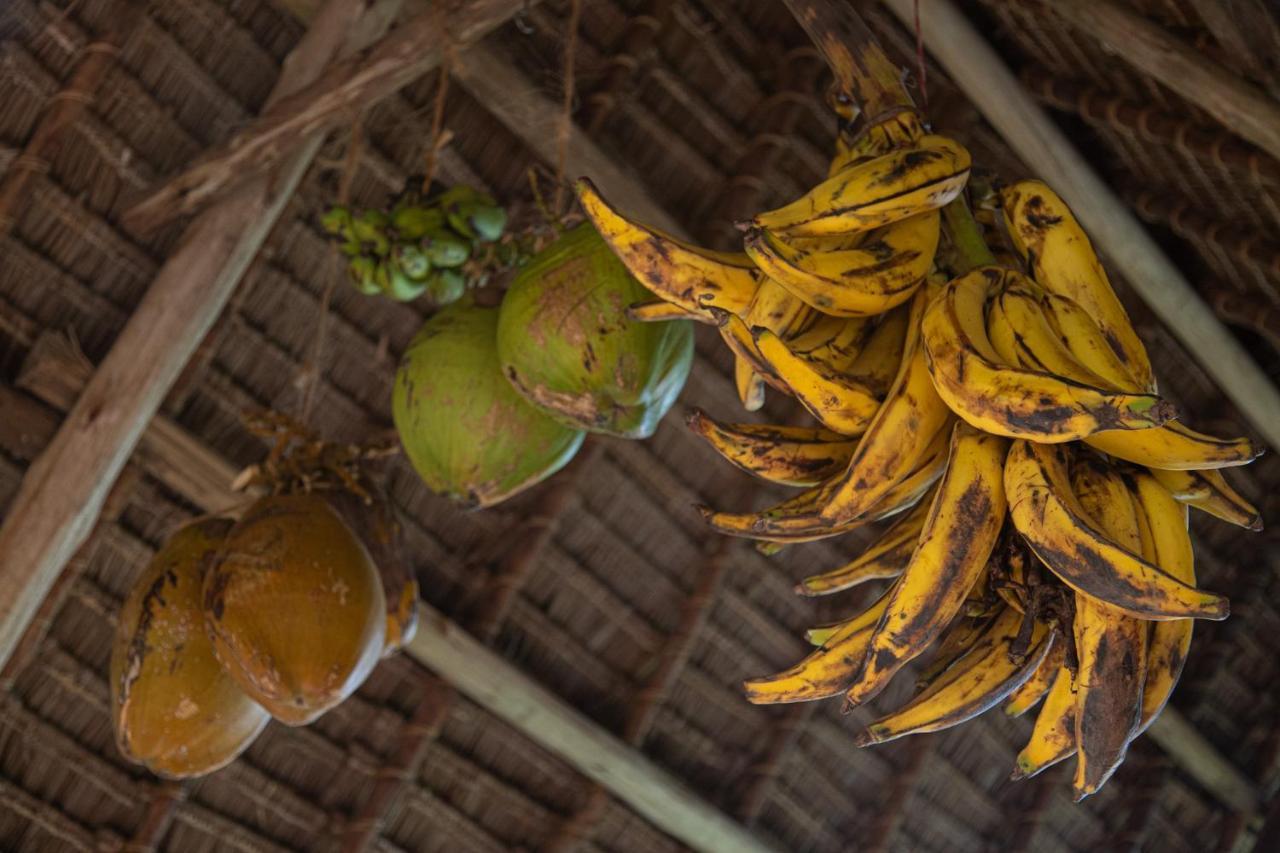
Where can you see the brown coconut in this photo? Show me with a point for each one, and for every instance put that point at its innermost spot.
(174, 709)
(295, 607)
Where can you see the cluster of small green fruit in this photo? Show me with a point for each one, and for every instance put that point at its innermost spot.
(419, 246)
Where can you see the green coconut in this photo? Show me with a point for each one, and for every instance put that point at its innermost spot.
(469, 435)
(567, 346)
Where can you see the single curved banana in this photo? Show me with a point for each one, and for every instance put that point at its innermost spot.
(660, 310)
(1210, 492)
(690, 276)
(898, 131)
(1012, 401)
(884, 558)
(889, 188)
(1050, 519)
(827, 670)
(955, 543)
(878, 363)
(797, 518)
(1111, 646)
(788, 455)
(1037, 686)
(980, 680)
(1062, 260)
(1175, 447)
(749, 384)
(1170, 549)
(880, 274)
(1053, 738)
(838, 403)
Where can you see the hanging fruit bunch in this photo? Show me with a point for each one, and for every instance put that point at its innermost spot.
(280, 613)
(1004, 414)
(489, 401)
(438, 246)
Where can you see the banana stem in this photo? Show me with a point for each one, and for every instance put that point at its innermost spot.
(966, 237)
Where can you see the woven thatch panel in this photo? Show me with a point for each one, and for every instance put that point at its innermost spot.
(717, 104)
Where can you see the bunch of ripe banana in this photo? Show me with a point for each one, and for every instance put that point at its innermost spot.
(1004, 415)
(418, 246)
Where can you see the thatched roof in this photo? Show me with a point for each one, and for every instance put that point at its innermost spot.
(715, 107)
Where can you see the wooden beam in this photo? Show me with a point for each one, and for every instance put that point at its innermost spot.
(343, 90)
(982, 75)
(1151, 49)
(1200, 760)
(506, 93)
(499, 687)
(63, 491)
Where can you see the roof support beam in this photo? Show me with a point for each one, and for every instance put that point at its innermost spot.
(983, 77)
(344, 89)
(63, 491)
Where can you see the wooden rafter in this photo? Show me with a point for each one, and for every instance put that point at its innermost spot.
(63, 491)
(342, 90)
(982, 75)
(765, 771)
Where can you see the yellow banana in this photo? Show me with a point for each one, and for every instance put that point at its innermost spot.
(1012, 401)
(1087, 342)
(900, 130)
(659, 310)
(692, 277)
(836, 341)
(977, 682)
(880, 274)
(1038, 345)
(1034, 688)
(1210, 492)
(903, 427)
(1170, 549)
(955, 543)
(877, 364)
(1050, 519)
(750, 385)
(1175, 447)
(837, 402)
(1062, 260)
(1053, 738)
(1111, 647)
(889, 188)
(773, 308)
(791, 456)
(960, 636)
(827, 670)
(884, 558)
(797, 520)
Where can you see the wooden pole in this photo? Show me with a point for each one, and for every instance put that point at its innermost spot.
(1152, 50)
(506, 692)
(63, 491)
(984, 78)
(345, 89)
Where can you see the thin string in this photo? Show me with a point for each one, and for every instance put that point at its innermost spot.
(311, 376)
(566, 114)
(439, 137)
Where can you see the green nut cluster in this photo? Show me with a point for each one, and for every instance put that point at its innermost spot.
(418, 246)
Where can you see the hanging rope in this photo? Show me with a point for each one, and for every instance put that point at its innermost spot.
(566, 114)
(439, 136)
(310, 378)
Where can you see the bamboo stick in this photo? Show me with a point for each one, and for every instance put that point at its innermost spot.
(984, 78)
(347, 87)
(1152, 50)
(63, 491)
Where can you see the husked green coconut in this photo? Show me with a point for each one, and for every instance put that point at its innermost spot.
(567, 346)
(469, 435)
